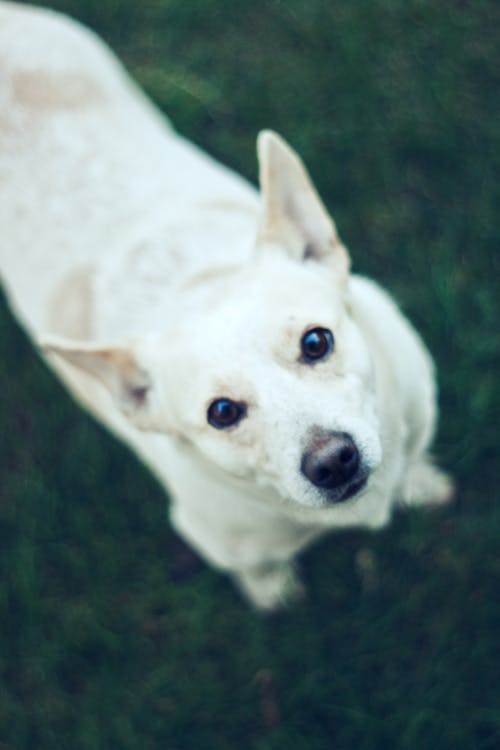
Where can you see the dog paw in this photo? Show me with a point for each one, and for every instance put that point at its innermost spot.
(425, 484)
(272, 587)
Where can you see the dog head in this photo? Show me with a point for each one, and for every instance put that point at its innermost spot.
(266, 373)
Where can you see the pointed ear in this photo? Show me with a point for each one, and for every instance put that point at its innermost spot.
(293, 214)
(116, 367)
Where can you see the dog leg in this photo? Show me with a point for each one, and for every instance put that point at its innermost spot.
(270, 587)
(425, 484)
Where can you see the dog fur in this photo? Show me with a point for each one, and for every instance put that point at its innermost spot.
(156, 281)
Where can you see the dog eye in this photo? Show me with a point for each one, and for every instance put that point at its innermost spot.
(316, 344)
(224, 413)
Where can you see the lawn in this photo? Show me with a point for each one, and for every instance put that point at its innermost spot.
(105, 640)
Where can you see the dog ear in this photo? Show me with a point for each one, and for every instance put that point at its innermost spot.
(293, 214)
(116, 367)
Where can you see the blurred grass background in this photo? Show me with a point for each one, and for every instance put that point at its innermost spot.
(394, 105)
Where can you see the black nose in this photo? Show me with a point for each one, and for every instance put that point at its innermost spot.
(333, 461)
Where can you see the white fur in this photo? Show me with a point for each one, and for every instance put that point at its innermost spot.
(157, 281)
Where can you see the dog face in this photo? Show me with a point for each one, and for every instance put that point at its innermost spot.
(266, 375)
(276, 385)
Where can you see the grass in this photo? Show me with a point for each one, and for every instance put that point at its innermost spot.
(394, 106)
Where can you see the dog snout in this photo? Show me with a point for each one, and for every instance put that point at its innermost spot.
(332, 462)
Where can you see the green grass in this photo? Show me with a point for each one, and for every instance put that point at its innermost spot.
(394, 105)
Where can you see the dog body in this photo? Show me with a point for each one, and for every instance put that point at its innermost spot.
(216, 330)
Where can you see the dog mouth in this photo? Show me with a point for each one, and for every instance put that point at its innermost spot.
(348, 491)
(352, 489)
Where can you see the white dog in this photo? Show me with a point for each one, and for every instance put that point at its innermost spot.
(217, 331)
